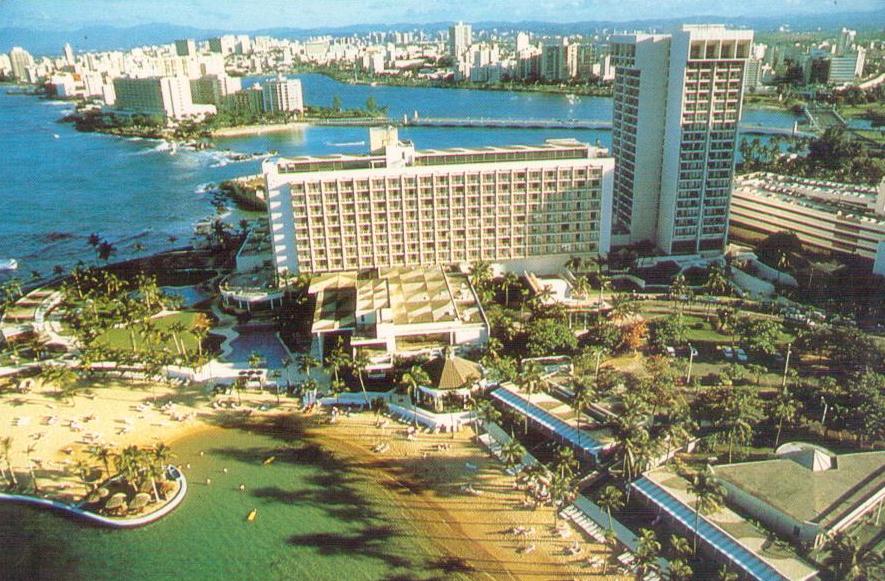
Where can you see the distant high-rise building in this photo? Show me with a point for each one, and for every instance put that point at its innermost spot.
(559, 60)
(20, 60)
(223, 44)
(186, 47)
(460, 39)
(69, 55)
(166, 97)
(845, 42)
(523, 41)
(677, 103)
(283, 95)
(846, 68)
(211, 89)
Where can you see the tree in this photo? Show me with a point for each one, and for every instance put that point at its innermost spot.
(531, 381)
(102, 453)
(562, 492)
(550, 336)
(680, 292)
(668, 332)
(565, 463)
(487, 413)
(717, 280)
(708, 496)
(631, 434)
(736, 411)
(336, 103)
(679, 571)
(783, 410)
(585, 394)
(610, 499)
(512, 453)
(508, 281)
(847, 560)
(412, 380)
(371, 104)
(633, 335)
(358, 364)
(761, 335)
(624, 306)
(867, 406)
(647, 551)
(6, 452)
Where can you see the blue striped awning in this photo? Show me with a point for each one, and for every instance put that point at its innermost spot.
(577, 438)
(721, 542)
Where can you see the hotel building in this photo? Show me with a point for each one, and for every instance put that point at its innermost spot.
(166, 97)
(526, 207)
(828, 216)
(283, 95)
(677, 103)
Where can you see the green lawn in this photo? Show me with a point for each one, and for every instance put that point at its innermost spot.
(119, 338)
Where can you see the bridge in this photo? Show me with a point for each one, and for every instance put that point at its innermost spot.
(505, 123)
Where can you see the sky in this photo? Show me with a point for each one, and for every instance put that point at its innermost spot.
(251, 14)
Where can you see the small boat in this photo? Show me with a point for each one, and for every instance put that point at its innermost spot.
(252, 514)
(269, 460)
(56, 136)
(8, 264)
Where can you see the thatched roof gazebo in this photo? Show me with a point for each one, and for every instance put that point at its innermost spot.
(449, 375)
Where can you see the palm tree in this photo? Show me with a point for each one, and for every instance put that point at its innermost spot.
(358, 365)
(680, 545)
(565, 462)
(487, 413)
(306, 362)
(6, 450)
(784, 410)
(411, 380)
(585, 394)
(103, 454)
(610, 499)
(708, 494)
(679, 571)
(611, 543)
(531, 382)
(200, 330)
(847, 559)
(337, 358)
(512, 453)
(62, 377)
(562, 492)
(647, 552)
(160, 456)
(508, 281)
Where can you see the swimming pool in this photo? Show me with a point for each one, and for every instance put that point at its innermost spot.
(259, 339)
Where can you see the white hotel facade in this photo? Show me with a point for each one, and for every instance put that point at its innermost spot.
(677, 104)
(524, 207)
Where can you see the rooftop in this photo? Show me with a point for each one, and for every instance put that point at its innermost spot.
(398, 296)
(850, 201)
(728, 532)
(549, 150)
(800, 486)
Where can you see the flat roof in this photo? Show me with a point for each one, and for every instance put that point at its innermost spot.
(726, 531)
(813, 496)
(409, 296)
(551, 149)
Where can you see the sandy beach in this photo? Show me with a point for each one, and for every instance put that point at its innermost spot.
(258, 129)
(426, 475)
(475, 530)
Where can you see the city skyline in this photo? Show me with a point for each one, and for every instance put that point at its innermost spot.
(72, 14)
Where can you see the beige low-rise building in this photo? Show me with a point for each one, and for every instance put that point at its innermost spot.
(828, 216)
(397, 312)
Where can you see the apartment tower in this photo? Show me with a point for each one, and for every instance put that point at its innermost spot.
(677, 103)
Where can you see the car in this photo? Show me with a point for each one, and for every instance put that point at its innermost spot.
(741, 355)
(671, 352)
(692, 352)
(728, 352)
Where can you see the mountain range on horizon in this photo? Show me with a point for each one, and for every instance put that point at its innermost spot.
(102, 37)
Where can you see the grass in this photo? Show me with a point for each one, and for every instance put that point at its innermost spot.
(118, 338)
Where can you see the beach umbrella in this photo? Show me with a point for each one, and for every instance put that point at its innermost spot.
(141, 500)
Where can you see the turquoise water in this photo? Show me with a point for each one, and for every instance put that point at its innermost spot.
(315, 521)
(57, 186)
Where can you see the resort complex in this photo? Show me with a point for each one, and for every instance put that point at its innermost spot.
(527, 207)
(459, 335)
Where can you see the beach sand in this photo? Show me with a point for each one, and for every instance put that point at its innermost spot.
(258, 129)
(425, 475)
(474, 532)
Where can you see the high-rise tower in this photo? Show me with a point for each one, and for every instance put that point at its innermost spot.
(677, 103)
